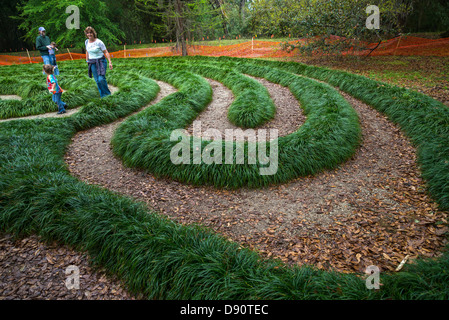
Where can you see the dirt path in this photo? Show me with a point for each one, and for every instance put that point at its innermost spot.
(426, 74)
(345, 219)
(31, 269)
(10, 97)
(287, 119)
(373, 210)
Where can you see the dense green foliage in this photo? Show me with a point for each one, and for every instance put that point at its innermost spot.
(52, 16)
(337, 26)
(135, 21)
(165, 260)
(429, 15)
(11, 35)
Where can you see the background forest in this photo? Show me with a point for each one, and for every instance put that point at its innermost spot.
(146, 21)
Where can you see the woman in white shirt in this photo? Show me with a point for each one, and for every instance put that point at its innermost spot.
(96, 54)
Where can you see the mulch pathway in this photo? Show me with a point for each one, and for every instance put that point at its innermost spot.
(33, 270)
(287, 119)
(373, 210)
(10, 97)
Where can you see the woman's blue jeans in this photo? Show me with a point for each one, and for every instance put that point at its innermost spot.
(101, 80)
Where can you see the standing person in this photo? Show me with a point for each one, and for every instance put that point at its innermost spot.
(51, 53)
(43, 44)
(54, 88)
(96, 54)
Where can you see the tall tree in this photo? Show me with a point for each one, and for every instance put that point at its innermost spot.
(12, 37)
(429, 16)
(218, 5)
(182, 18)
(52, 15)
(175, 16)
(136, 24)
(237, 16)
(329, 25)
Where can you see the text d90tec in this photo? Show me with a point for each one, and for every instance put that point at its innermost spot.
(246, 309)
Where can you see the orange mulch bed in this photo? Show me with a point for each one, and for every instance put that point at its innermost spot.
(400, 46)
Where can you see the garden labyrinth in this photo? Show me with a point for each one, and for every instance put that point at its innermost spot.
(360, 173)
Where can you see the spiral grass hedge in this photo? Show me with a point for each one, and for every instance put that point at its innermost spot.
(330, 135)
(166, 260)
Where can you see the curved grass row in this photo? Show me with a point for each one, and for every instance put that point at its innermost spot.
(155, 256)
(35, 95)
(252, 106)
(24, 88)
(425, 121)
(329, 136)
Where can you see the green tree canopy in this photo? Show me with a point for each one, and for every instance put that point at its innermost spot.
(429, 15)
(185, 19)
(328, 25)
(51, 15)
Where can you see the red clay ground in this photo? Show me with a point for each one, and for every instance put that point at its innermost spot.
(399, 46)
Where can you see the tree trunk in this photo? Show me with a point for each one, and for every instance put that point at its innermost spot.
(216, 4)
(420, 20)
(242, 10)
(177, 38)
(180, 27)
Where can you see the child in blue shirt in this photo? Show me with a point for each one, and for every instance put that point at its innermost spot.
(54, 88)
